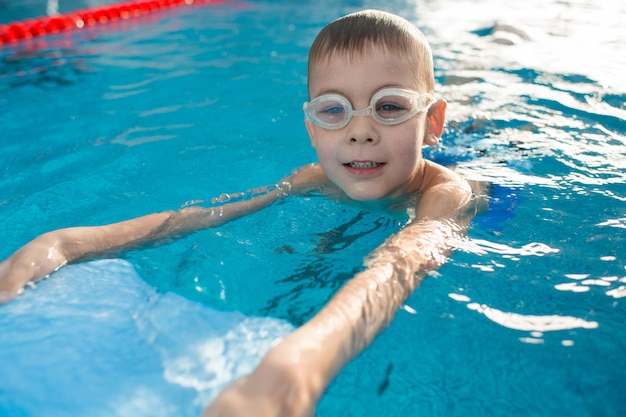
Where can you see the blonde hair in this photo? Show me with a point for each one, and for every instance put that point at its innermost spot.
(353, 34)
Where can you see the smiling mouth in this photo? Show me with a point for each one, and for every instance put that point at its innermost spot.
(364, 164)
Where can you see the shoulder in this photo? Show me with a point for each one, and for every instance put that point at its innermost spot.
(443, 192)
(438, 177)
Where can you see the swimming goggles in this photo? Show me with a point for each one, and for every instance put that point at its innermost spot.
(389, 106)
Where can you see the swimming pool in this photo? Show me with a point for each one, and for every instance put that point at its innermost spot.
(527, 317)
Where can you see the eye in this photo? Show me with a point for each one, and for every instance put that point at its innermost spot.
(330, 111)
(333, 110)
(391, 109)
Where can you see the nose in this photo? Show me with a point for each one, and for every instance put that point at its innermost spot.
(361, 128)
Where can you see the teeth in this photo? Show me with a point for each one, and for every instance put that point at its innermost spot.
(368, 164)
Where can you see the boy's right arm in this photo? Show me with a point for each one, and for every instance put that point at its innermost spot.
(51, 251)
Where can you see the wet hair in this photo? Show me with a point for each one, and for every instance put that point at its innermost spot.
(352, 35)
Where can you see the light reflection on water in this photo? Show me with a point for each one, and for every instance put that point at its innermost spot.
(531, 95)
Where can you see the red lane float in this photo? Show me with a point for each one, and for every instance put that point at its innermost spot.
(79, 19)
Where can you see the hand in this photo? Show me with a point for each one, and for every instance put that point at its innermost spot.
(33, 261)
(274, 389)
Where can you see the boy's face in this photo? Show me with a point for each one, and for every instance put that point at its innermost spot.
(366, 159)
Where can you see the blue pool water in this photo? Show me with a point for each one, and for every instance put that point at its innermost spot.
(526, 318)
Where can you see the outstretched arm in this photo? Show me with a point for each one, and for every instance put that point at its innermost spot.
(293, 375)
(51, 251)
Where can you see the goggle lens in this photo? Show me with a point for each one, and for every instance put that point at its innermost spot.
(331, 110)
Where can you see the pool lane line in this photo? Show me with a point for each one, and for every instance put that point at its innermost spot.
(46, 25)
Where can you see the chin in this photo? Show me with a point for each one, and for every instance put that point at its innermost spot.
(365, 196)
(368, 191)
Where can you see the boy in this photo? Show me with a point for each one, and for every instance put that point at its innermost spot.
(372, 109)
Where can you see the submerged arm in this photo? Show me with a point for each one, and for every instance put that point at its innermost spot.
(367, 304)
(293, 375)
(50, 251)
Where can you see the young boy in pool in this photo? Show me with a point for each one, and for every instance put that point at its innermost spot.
(371, 110)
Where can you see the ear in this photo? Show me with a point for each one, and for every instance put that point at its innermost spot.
(436, 120)
(309, 128)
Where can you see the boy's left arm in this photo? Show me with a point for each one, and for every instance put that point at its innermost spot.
(294, 374)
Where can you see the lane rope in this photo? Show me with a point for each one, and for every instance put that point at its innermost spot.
(41, 26)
